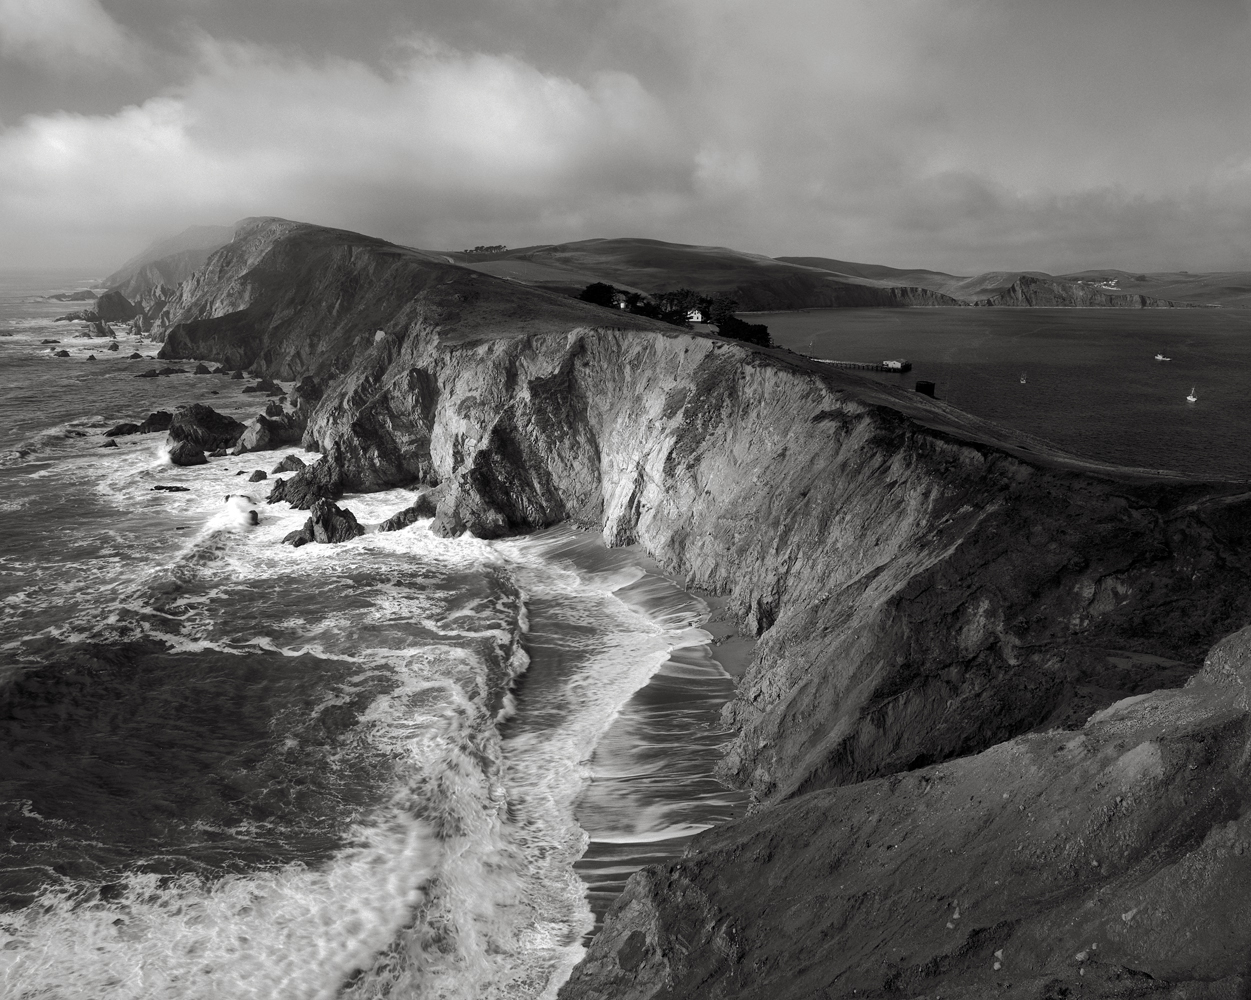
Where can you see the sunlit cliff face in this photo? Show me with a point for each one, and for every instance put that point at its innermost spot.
(958, 135)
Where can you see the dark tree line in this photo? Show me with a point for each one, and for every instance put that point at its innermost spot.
(677, 306)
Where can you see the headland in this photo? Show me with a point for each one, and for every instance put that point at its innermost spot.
(995, 734)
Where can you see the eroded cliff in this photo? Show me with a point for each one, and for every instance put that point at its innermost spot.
(926, 586)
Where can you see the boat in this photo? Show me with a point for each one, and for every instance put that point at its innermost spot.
(1022, 378)
(1192, 398)
(1161, 357)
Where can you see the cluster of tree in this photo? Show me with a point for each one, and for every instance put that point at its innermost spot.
(679, 307)
(500, 248)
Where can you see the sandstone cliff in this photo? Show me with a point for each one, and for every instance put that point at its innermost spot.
(926, 586)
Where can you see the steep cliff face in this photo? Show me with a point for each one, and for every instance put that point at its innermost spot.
(1037, 292)
(926, 585)
(919, 596)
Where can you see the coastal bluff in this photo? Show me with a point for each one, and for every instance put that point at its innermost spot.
(945, 610)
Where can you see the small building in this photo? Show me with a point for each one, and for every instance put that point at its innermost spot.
(897, 365)
(695, 315)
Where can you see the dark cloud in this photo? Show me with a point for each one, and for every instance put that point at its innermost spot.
(958, 134)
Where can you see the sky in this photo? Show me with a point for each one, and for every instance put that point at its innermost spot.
(957, 135)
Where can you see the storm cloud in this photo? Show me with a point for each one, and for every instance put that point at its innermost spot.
(962, 135)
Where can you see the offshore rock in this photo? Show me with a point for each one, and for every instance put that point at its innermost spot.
(257, 476)
(319, 481)
(264, 433)
(292, 463)
(157, 420)
(328, 523)
(118, 430)
(423, 508)
(113, 306)
(202, 426)
(112, 347)
(202, 369)
(186, 453)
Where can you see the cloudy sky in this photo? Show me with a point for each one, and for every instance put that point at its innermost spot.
(961, 135)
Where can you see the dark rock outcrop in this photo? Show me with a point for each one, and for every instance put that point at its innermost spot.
(263, 433)
(157, 420)
(423, 508)
(118, 430)
(133, 357)
(257, 476)
(292, 463)
(266, 386)
(327, 523)
(202, 426)
(186, 453)
(61, 354)
(150, 373)
(109, 444)
(237, 376)
(319, 481)
(202, 369)
(173, 489)
(112, 347)
(113, 306)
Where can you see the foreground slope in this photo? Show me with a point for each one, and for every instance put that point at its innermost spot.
(926, 587)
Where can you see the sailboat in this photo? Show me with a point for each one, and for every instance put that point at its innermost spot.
(1161, 357)
(1192, 398)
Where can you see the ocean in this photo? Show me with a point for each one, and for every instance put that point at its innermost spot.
(400, 766)
(1084, 379)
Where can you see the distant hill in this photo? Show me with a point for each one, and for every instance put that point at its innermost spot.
(169, 261)
(1111, 289)
(759, 283)
(774, 283)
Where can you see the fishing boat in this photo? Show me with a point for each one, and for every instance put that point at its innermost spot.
(1161, 357)
(1022, 378)
(1192, 398)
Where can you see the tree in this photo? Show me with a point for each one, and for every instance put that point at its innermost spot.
(751, 333)
(599, 293)
(721, 308)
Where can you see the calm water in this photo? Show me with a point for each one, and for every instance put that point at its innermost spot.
(229, 768)
(1091, 385)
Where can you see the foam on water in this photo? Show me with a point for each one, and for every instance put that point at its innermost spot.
(458, 880)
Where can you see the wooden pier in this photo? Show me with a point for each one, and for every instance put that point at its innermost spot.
(870, 366)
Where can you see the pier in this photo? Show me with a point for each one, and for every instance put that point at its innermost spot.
(894, 365)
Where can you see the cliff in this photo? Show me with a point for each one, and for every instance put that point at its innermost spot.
(1044, 291)
(928, 588)
(168, 262)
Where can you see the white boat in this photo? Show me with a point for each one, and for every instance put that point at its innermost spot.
(1161, 357)
(1022, 378)
(1192, 398)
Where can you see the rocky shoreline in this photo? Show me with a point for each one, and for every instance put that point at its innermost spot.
(950, 618)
